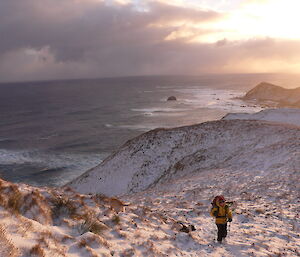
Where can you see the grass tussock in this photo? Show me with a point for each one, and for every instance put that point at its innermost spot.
(66, 238)
(128, 253)
(2, 200)
(7, 248)
(82, 243)
(37, 250)
(100, 198)
(179, 166)
(63, 206)
(116, 219)
(47, 241)
(94, 240)
(43, 241)
(10, 197)
(98, 227)
(91, 224)
(14, 202)
(37, 207)
(47, 235)
(26, 227)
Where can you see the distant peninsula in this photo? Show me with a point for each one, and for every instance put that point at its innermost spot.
(271, 95)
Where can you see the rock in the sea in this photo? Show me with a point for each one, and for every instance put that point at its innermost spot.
(172, 98)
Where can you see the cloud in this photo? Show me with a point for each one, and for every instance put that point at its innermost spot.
(53, 39)
(71, 28)
(263, 55)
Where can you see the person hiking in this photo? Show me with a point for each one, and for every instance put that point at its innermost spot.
(221, 211)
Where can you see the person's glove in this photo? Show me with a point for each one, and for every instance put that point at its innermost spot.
(229, 220)
(215, 213)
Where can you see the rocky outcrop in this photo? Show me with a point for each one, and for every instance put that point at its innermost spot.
(272, 95)
(172, 98)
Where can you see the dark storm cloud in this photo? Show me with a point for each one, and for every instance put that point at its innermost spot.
(88, 38)
(73, 29)
(118, 39)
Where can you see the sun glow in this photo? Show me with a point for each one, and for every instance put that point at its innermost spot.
(254, 19)
(276, 18)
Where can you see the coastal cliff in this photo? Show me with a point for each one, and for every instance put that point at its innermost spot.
(272, 95)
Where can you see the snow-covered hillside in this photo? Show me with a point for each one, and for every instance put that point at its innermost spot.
(166, 176)
(288, 116)
(163, 153)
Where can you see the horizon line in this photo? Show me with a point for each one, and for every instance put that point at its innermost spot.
(139, 76)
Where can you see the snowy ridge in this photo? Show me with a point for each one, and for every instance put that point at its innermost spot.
(161, 154)
(284, 115)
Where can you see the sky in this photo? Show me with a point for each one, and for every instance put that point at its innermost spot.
(62, 39)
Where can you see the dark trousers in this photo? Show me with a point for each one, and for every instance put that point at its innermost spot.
(222, 231)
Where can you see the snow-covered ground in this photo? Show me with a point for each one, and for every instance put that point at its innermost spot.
(169, 175)
(159, 154)
(284, 115)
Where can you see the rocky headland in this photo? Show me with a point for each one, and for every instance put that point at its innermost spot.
(271, 95)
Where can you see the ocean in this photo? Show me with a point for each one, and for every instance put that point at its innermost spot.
(53, 131)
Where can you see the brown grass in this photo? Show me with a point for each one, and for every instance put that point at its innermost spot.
(2, 200)
(25, 227)
(37, 251)
(116, 219)
(98, 228)
(6, 246)
(43, 241)
(14, 198)
(48, 241)
(34, 200)
(82, 243)
(90, 223)
(99, 240)
(103, 242)
(100, 198)
(62, 206)
(65, 238)
(179, 166)
(128, 253)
